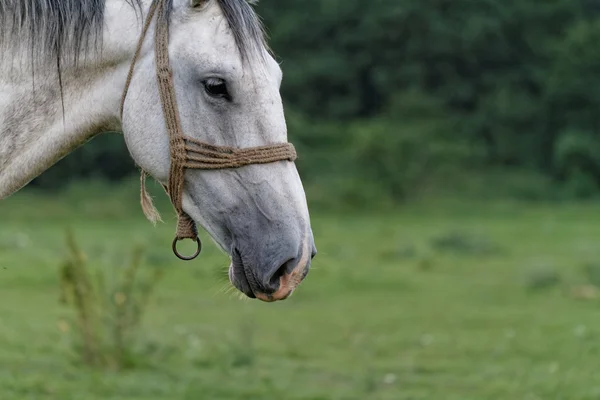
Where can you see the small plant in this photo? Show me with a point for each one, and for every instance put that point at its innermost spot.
(542, 277)
(108, 318)
(426, 263)
(462, 243)
(403, 252)
(592, 273)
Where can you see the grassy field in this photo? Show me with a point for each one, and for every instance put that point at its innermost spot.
(435, 301)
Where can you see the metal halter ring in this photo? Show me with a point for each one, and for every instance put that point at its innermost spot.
(198, 250)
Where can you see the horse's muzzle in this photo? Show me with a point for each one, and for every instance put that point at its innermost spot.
(271, 284)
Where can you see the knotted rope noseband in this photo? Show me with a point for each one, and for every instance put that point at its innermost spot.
(187, 152)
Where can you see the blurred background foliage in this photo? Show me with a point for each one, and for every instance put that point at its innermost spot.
(391, 100)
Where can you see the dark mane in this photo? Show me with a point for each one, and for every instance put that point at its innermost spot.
(62, 30)
(247, 29)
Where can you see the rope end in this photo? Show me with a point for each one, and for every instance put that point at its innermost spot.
(148, 207)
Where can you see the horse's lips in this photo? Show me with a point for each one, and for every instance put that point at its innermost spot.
(237, 276)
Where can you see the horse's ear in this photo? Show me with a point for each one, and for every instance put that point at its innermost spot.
(198, 3)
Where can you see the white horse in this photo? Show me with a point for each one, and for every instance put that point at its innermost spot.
(63, 68)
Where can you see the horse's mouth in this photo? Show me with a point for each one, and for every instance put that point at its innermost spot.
(239, 280)
(244, 281)
(237, 275)
(269, 284)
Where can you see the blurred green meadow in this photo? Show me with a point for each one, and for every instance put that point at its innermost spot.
(436, 300)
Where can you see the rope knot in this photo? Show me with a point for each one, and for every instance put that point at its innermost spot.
(186, 227)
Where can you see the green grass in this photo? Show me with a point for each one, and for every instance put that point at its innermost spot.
(435, 301)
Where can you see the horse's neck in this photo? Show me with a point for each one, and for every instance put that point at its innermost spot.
(38, 126)
(34, 134)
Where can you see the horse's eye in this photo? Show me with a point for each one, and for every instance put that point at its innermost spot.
(216, 88)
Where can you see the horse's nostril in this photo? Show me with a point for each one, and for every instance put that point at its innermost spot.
(285, 269)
